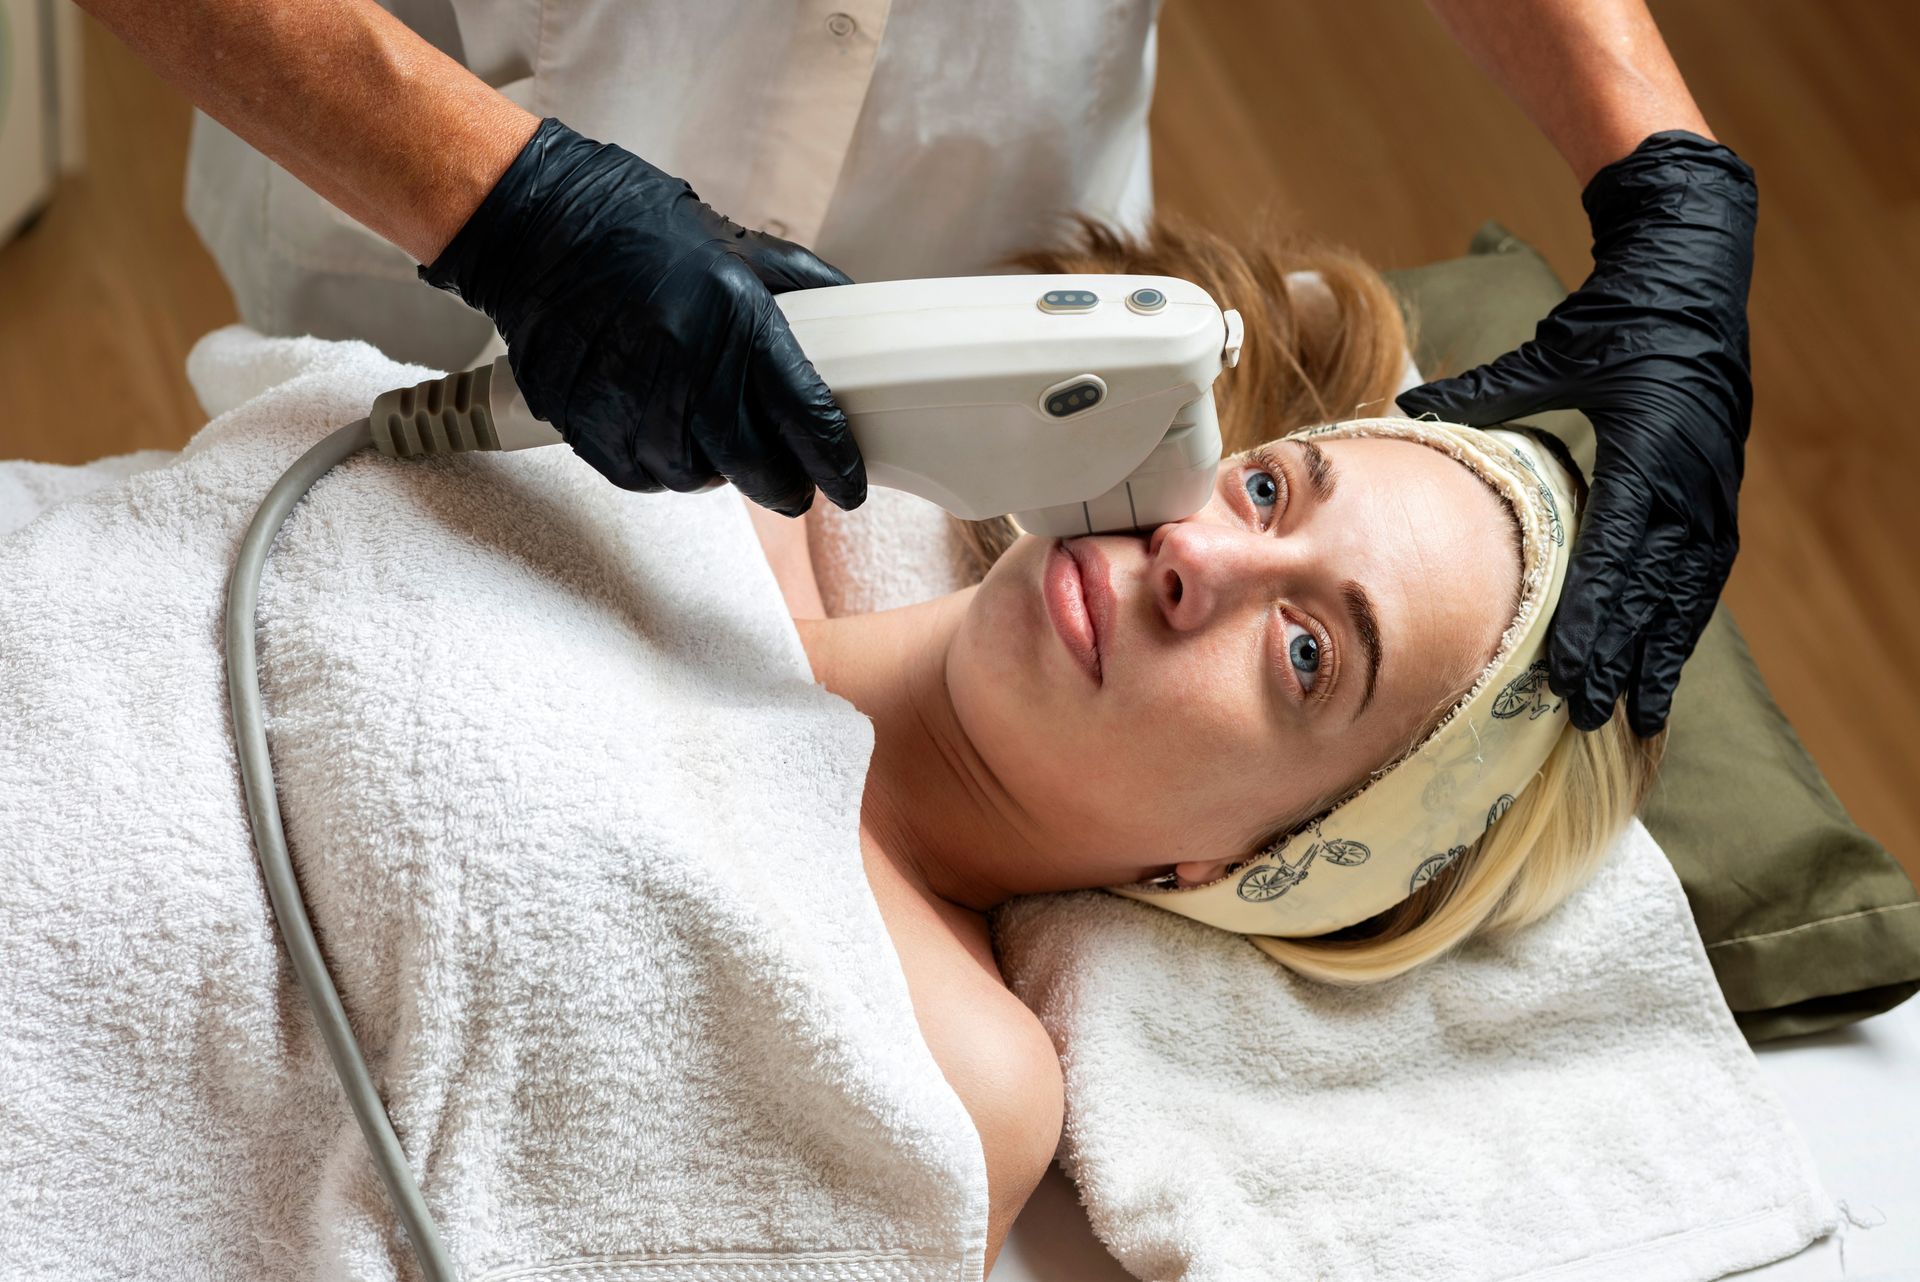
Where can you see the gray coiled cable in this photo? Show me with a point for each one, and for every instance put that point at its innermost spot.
(263, 809)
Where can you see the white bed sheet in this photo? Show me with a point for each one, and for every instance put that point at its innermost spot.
(1854, 1092)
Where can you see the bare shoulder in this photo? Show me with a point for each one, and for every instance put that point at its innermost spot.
(981, 1033)
(994, 1052)
(1001, 1062)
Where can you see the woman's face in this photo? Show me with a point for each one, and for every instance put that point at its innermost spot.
(1254, 660)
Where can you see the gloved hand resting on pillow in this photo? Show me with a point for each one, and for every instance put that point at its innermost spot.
(1653, 349)
(641, 324)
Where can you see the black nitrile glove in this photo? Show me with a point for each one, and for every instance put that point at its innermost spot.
(641, 324)
(1653, 348)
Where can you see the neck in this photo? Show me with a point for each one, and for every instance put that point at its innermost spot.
(932, 805)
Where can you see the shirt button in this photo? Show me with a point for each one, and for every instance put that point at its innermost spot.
(841, 24)
(775, 227)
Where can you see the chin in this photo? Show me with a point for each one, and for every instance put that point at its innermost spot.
(999, 601)
(1006, 667)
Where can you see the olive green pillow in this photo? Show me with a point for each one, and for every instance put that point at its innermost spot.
(1808, 922)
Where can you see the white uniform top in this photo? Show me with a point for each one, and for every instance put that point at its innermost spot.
(896, 138)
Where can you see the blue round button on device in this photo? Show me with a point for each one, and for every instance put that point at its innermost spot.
(1146, 301)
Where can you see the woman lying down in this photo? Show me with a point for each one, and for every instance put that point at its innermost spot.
(594, 861)
(1359, 606)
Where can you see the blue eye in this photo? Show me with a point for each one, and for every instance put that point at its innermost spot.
(1261, 489)
(1303, 652)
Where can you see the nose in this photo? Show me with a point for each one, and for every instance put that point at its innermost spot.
(1197, 569)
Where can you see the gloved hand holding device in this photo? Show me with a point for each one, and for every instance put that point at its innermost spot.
(641, 324)
(1653, 349)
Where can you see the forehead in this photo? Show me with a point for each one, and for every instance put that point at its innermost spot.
(1433, 545)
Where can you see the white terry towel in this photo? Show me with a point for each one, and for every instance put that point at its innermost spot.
(577, 831)
(27, 489)
(1577, 1105)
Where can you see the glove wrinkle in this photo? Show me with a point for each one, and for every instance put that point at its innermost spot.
(637, 319)
(1653, 349)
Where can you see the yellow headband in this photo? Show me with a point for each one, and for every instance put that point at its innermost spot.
(1381, 844)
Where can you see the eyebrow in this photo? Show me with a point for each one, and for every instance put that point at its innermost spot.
(1320, 473)
(1365, 619)
(1366, 626)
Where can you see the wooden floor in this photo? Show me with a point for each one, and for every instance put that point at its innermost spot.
(1359, 120)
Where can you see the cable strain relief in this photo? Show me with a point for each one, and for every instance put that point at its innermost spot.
(448, 415)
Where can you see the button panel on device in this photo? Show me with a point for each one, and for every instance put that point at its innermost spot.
(1147, 301)
(1069, 300)
(1068, 398)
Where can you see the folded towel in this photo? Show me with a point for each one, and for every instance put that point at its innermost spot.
(579, 836)
(28, 489)
(1575, 1104)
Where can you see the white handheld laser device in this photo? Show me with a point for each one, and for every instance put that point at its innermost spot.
(1081, 404)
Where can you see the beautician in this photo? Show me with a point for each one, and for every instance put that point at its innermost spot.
(900, 140)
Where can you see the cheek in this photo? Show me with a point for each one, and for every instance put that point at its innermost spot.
(992, 657)
(1007, 692)
(1210, 719)
(1176, 761)
(1217, 691)
(1231, 760)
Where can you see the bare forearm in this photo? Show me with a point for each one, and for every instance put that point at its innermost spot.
(342, 95)
(1593, 75)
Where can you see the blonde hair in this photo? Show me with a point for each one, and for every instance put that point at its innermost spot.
(1314, 353)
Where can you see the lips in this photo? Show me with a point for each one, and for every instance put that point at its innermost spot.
(1096, 590)
(1062, 589)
